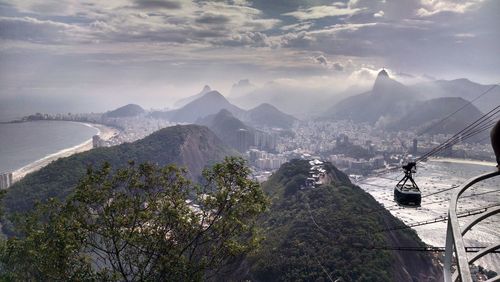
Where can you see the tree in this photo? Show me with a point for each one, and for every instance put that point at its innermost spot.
(140, 223)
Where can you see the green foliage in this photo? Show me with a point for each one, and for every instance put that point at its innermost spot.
(58, 179)
(315, 233)
(139, 223)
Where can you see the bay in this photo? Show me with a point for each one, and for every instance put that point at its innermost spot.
(26, 142)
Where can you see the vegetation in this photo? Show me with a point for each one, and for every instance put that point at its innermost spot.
(58, 179)
(139, 223)
(322, 233)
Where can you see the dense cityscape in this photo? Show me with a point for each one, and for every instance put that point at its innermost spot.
(355, 148)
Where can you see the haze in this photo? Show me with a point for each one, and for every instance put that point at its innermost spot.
(61, 55)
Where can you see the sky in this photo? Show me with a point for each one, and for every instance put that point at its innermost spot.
(95, 54)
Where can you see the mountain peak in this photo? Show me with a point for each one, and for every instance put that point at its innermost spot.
(385, 85)
(213, 95)
(382, 73)
(206, 89)
(130, 110)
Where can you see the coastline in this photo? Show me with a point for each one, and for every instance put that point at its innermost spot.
(462, 161)
(105, 132)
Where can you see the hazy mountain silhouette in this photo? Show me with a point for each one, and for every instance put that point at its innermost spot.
(387, 98)
(208, 104)
(226, 127)
(130, 110)
(266, 115)
(182, 102)
(299, 101)
(462, 88)
(426, 116)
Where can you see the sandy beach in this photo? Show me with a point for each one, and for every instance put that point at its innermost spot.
(105, 132)
(462, 161)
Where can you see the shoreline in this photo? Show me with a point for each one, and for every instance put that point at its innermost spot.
(103, 131)
(462, 161)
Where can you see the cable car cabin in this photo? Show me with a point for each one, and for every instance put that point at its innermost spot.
(406, 191)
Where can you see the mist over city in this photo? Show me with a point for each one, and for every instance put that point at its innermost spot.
(255, 140)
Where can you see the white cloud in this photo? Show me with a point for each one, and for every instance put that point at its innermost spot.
(433, 7)
(318, 12)
(379, 14)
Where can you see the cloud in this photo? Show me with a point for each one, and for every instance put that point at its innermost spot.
(319, 12)
(157, 4)
(297, 26)
(433, 7)
(322, 60)
(379, 14)
(40, 31)
(209, 18)
(251, 39)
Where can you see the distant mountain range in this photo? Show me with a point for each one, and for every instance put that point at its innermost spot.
(192, 146)
(462, 88)
(182, 102)
(269, 116)
(211, 103)
(427, 115)
(130, 110)
(387, 98)
(207, 104)
(392, 105)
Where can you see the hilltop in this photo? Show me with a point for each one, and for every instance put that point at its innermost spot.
(130, 110)
(211, 103)
(192, 146)
(208, 104)
(387, 98)
(429, 113)
(310, 231)
(226, 127)
(269, 116)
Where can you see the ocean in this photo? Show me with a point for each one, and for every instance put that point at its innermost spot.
(436, 176)
(24, 143)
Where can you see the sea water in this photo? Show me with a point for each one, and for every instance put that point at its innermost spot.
(436, 176)
(24, 143)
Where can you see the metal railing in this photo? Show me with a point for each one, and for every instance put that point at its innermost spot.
(454, 235)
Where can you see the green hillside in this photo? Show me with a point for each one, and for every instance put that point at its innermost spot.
(315, 233)
(191, 146)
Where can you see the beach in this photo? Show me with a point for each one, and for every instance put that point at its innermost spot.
(104, 132)
(462, 161)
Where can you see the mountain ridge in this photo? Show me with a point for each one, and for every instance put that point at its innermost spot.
(192, 146)
(129, 110)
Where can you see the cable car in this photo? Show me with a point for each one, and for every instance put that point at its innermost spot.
(406, 192)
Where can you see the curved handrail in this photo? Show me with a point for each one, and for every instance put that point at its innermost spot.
(454, 239)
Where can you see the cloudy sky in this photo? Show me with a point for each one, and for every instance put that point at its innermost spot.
(153, 51)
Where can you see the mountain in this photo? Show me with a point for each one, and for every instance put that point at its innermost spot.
(192, 146)
(462, 88)
(388, 98)
(426, 116)
(208, 104)
(182, 102)
(130, 110)
(266, 115)
(228, 128)
(296, 100)
(329, 232)
(241, 88)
